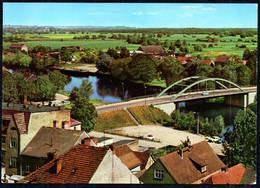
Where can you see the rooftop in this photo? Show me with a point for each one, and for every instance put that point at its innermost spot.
(187, 169)
(78, 165)
(29, 107)
(50, 139)
(122, 142)
(102, 139)
(151, 49)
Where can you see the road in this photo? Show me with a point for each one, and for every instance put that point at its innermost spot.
(168, 98)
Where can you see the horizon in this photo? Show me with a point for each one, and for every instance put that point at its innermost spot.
(149, 15)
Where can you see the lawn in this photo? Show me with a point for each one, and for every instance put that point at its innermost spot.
(149, 115)
(112, 120)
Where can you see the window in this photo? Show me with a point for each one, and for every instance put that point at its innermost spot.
(63, 124)
(203, 169)
(56, 124)
(75, 128)
(13, 162)
(5, 122)
(3, 140)
(13, 142)
(3, 157)
(27, 168)
(158, 174)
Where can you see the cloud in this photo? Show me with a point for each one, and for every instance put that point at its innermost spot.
(144, 13)
(187, 15)
(137, 13)
(152, 13)
(198, 7)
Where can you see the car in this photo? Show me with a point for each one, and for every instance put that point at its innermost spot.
(205, 93)
(150, 137)
(215, 138)
(220, 140)
(208, 139)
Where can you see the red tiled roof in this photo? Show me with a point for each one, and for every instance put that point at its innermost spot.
(187, 169)
(21, 119)
(127, 156)
(39, 54)
(151, 49)
(16, 46)
(182, 59)
(29, 76)
(222, 58)
(78, 166)
(206, 61)
(232, 176)
(74, 122)
(143, 156)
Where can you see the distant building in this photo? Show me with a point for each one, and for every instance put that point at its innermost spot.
(157, 51)
(213, 40)
(21, 47)
(221, 59)
(47, 144)
(209, 62)
(190, 165)
(83, 164)
(20, 123)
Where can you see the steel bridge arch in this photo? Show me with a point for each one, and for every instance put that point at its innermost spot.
(204, 79)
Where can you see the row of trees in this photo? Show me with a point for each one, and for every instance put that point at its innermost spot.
(187, 121)
(15, 87)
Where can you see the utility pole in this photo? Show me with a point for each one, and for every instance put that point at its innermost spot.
(144, 94)
(123, 91)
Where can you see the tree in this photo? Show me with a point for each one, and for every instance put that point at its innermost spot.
(171, 70)
(124, 52)
(82, 109)
(23, 86)
(113, 53)
(84, 91)
(247, 54)
(103, 62)
(65, 54)
(85, 112)
(143, 68)
(45, 88)
(120, 70)
(9, 88)
(243, 75)
(198, 69)
(184, 121)
(58, 79)
(240, 145)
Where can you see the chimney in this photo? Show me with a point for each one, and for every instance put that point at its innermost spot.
(86, 141)
(225, 169)
(181, 153)
(51, 140)
(57, 165)
(112, 147)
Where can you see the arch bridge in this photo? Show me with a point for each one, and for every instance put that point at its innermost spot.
(196, 81)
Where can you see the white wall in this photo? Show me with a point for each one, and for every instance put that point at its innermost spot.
(112, 170)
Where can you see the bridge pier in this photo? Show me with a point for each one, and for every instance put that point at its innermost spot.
(242, 100)
(168, 108)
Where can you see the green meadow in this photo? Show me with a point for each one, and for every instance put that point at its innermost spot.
(227, 45)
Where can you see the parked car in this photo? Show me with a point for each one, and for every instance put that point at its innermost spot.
(221, 140)
(150, 137)
(215, 138)
(205, 93)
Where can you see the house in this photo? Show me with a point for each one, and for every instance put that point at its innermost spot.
(157, 51)
(190, 165)
(47, 144)
(213, 40)
(21, 47)
(104, 141)
(221, 59)
(128, 157)
(229, 176)
(208, 62)
(20, 123)
(132, 144)
(186, 60)
(83, 164)
(249, 176)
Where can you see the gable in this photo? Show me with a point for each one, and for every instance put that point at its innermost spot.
(148, 176)
(112, 170)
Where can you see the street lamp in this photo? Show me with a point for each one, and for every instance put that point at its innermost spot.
(123, 91)
(198, 124)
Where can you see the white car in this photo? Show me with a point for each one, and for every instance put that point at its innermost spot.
(150, 137)
(205, 93)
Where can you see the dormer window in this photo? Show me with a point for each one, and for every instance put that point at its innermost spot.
(203, 169)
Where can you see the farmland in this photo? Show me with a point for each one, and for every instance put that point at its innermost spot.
(227, 45)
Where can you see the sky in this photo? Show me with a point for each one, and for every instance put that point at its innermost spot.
(144, 15)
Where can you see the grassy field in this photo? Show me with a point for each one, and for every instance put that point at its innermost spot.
(54, 41)
(149, 115)
(112, 120)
